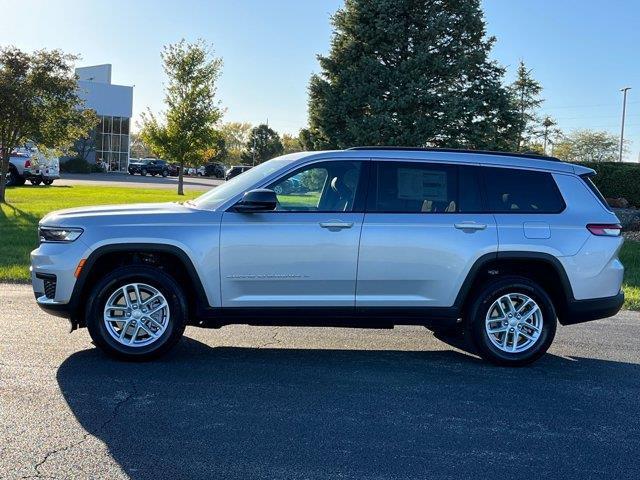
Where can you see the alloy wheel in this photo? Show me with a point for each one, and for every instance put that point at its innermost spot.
(136, 315)
(514, 323)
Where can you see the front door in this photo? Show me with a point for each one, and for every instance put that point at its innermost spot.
(305, 253)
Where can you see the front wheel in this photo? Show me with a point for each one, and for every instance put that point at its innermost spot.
(136, 313)
(143, 172)
(512, 321)
(165, 173)
(36, 181)
(47, 181)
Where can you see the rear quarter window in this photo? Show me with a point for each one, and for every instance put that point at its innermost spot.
(592, 186)
(511, 190)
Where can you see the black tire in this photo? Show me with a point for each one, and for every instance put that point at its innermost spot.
(153, 277)
(165, 173)
(35, 181)
(14, 179)
(47, 181)
(143, 172)
(482, 302)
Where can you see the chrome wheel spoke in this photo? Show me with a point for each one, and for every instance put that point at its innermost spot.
(514, 323)
(136, 315)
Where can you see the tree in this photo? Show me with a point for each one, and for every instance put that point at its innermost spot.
(39, 103)
(263, 144)
(290, 144)
(188, 127)
(138, 148)
(588, 146)
(412, 73)
(307, 140)
(526, 96)
(236, 135)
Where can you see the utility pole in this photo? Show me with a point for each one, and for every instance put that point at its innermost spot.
(624, 111)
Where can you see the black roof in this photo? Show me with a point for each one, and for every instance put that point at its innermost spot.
(458, 150)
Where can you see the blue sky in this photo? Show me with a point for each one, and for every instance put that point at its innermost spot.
(582, 52)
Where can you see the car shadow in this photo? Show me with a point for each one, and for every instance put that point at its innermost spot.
(207, 412)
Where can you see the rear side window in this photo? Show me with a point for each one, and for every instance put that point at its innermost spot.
(521, 191)
(592, 186)
(415, 187)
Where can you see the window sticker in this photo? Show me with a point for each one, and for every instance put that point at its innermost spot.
(414, 184)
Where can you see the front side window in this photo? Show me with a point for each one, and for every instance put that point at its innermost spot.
(321, 187)
(416, 187)
(510, 190)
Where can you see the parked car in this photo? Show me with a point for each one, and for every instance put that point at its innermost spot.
(151, 166)
(496, 247)
(174, 169)
(211, 170)
(236, 170)
(32, 166)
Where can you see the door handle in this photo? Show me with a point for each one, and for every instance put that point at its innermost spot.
(336, 225)
(470, 226)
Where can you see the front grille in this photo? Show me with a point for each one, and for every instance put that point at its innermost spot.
(49, 284)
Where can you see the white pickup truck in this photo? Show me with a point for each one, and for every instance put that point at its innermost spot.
(32, 166)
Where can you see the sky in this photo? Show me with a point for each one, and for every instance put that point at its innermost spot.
(582, 52)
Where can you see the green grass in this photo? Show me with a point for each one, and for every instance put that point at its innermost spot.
(630, 258)
(25, 207)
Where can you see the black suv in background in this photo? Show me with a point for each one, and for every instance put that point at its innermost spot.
(213, 169)
(149, 166)
(236, 170)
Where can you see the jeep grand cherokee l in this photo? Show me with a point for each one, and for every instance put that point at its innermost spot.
(495, 247)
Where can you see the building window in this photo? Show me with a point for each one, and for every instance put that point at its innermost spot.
(112, 142)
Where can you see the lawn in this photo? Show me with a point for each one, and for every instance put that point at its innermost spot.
(630, 258)
(27, 205)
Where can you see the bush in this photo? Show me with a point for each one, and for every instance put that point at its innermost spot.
(616, 180)
(78, 165)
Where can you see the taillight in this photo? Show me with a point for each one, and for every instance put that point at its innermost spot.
(605, 229)
(27, 164)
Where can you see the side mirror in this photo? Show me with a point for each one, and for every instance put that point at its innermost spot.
(260, 200)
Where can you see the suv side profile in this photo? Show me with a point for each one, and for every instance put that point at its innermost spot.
(150, 166)
(495, 247)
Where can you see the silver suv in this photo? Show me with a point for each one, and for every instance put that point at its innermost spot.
(494, 247)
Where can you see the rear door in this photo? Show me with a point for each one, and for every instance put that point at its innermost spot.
(424, 228)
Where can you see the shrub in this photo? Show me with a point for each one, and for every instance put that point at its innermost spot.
(616, 180)
(78, 165)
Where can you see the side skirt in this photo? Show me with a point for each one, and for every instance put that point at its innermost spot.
(364, 317)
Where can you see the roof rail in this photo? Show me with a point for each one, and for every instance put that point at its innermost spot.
(460, 150)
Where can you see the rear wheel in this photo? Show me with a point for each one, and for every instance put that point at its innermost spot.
(36, 181)
(136, 313)
(512, 321)
(165, 173)
(47, 181)
(143, 172)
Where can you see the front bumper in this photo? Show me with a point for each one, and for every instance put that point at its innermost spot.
(579, 311)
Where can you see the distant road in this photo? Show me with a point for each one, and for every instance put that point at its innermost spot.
(136, 181)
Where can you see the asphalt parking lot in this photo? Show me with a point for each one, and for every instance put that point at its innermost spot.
(136, 181)
(285, 403)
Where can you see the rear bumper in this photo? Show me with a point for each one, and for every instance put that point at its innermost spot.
(579, 311)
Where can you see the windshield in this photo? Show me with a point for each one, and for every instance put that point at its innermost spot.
(240, 184)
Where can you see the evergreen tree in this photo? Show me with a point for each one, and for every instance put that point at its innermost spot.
(525, 92)
(413, 73)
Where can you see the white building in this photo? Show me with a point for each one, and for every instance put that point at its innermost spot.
(114, 105)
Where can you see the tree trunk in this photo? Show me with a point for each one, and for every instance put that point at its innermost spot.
(4, 168)
(180, 178)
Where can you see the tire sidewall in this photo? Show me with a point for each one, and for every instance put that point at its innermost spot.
(120, 277)
(478, 315)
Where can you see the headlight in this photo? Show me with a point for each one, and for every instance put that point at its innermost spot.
(58, 234)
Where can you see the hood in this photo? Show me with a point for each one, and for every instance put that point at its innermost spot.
(121, 215)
